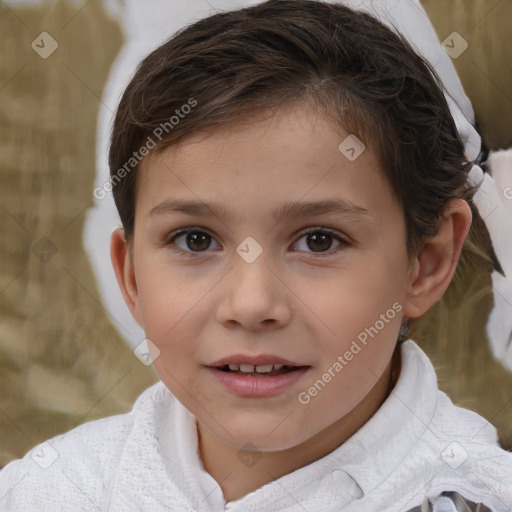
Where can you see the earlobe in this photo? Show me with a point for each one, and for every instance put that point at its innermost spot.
(125, 274)
(435, 265)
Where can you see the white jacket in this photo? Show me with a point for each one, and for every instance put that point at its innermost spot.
(417, 446)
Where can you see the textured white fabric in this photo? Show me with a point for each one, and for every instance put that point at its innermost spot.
(417, 445)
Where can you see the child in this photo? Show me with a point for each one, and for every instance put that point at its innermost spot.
(292, 189)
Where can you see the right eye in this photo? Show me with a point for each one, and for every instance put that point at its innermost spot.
(191, 240)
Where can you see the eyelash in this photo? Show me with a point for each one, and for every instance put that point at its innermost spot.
(344, 243)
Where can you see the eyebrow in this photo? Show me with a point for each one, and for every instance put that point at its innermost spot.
(287, 210)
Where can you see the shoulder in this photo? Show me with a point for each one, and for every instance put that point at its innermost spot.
(75, 468)
(470, 457)
(467, 468)
(450, 456)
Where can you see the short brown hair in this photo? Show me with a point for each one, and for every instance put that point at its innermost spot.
(357, 72)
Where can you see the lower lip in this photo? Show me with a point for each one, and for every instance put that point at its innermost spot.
(258, 386)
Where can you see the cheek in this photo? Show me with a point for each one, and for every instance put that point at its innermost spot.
(361, 315)
(167, 297)
(354, 298)
(173, 321)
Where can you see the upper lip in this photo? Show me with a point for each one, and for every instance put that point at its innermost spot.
(262, 359)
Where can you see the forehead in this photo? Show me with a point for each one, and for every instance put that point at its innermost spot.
(291, 155)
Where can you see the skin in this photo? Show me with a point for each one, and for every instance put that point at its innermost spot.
(299, 300)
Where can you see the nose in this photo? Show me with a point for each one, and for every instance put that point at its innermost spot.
(253, 297)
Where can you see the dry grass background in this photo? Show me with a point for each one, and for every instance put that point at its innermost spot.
(61, 360)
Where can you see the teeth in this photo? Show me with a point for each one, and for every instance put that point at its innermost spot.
(264, 368)
(250, 368)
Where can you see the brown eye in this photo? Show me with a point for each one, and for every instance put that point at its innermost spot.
(320, 241)
(198, 241)
(192, 240)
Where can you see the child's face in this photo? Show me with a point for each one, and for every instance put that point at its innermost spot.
(303, 299)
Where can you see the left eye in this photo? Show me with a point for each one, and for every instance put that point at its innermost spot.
(319, 241)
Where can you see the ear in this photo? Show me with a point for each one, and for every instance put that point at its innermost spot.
(433, 268)
(123, 267)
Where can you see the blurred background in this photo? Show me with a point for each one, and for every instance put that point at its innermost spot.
(63, 359)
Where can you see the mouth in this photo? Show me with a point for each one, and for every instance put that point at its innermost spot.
(260, 376)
